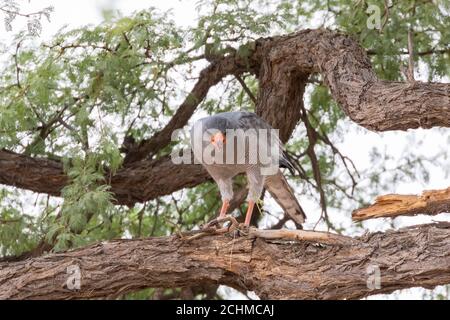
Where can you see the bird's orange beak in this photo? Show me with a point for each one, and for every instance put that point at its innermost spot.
(218, 139)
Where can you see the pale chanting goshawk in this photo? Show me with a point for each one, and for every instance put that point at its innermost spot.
(230, 143)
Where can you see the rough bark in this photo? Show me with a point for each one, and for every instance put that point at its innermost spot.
(138, 182)
(409, 257)
(35, 174)
(281, 90)
(430, 202)
(370, 102)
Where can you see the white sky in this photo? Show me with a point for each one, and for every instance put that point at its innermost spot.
(82, 12)
(357, 145)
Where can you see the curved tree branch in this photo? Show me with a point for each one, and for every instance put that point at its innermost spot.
(370, 102)
(409, 257)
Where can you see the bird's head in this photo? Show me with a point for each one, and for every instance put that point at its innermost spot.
(218, 139)
(216, 129)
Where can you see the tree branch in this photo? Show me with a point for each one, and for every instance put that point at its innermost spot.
(370, 102)
(430, 202)
(411, 55)
(409, 257)
(138, 182)
(246, 88)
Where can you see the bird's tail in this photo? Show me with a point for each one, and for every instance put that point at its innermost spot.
(283, 194)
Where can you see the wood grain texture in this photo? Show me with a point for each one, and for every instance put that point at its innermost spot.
(430, 202)
(373, 103)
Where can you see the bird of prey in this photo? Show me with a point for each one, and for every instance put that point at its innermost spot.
(230, 143)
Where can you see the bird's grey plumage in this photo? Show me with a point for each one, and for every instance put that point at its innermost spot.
(223, 173)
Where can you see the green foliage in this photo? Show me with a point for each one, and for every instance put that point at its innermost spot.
(18, 230)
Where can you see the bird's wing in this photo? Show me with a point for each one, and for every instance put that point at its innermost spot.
(276, 184)
(249, 120)
(284, 196)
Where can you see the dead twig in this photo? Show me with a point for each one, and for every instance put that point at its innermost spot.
(211, 229)
(282, 234)
(303, 235)
(246, 88)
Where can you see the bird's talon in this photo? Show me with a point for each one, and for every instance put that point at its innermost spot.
(240, 230)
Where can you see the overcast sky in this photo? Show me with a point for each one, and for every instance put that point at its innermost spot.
(81, 12)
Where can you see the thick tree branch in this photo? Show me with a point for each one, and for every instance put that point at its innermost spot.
(370, 102)
(430, 202)
(138, 182)
(409, 257)
(30, 173)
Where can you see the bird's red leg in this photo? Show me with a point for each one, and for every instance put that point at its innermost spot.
(248, 216)
(223, 211)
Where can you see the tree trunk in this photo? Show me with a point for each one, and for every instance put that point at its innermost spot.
(281, 269)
